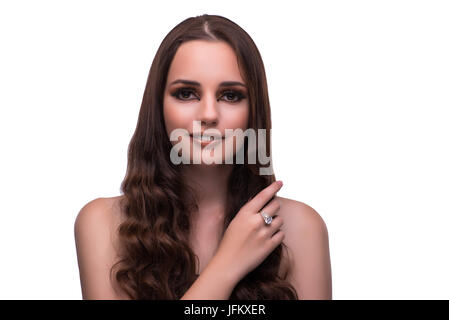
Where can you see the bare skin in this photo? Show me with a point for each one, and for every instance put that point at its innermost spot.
(305, 235)
(209, 64)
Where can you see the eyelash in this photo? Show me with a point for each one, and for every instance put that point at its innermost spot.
(239, 95)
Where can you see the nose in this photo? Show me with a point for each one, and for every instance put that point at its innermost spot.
(208, 112)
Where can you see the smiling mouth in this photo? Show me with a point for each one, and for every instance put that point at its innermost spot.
(205, 140)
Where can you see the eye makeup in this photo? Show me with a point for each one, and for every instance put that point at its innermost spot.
(232, 95)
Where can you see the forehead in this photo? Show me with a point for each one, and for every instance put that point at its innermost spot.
(205, 61)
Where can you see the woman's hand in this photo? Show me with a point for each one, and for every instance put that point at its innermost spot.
(248, 240)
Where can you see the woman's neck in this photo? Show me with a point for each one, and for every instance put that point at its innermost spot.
(210, 185)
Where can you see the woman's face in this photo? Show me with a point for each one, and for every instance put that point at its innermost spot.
(206, 98)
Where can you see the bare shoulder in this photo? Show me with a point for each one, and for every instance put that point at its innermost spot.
(300, 220)
(103, 211)
(306, 237)
(97, 246)
(301, 217)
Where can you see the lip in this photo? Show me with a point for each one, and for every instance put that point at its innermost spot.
(203, 142)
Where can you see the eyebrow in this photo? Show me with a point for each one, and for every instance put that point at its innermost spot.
(195, 83)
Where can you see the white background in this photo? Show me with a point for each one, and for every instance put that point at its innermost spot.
(359, 98)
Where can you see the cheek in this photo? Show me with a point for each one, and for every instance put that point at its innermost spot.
(236, 118)
(176, 117)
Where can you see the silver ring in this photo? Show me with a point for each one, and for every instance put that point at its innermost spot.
(266, 218)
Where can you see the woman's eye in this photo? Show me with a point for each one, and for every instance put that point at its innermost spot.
(183, 94)
(233, 96)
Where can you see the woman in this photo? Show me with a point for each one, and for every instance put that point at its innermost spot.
(197, 230)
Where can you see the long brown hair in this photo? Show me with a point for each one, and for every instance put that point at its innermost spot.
(156, 259)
